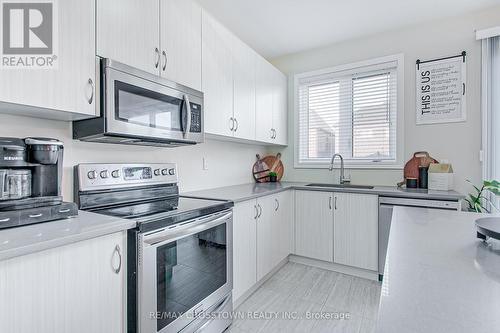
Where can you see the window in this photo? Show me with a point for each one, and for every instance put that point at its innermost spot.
(350, 110)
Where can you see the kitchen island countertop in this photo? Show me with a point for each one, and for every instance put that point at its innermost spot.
(438, 276)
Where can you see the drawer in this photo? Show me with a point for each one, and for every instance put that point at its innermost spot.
(64, 210)
(9, 219)
(36, 215)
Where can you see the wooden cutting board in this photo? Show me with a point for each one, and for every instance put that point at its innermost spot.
(263, 166)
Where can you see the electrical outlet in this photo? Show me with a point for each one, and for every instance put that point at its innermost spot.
(205, 163)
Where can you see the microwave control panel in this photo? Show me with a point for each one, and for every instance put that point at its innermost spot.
(195, 118)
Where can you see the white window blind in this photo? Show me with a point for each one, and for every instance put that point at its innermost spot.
(351, 112)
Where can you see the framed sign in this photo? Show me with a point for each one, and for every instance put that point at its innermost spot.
(441, 90)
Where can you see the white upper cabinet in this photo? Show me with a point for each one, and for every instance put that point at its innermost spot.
(128, 31)
(271, 104)
(217, 77)
(68, 91)
(244, 66)
(356, 230)
(280, 111)
(264, 101)
(180, 42)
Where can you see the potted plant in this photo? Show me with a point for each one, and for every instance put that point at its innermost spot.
(273, 177)
(479, 200)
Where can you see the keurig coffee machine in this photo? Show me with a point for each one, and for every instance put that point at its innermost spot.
(30, 182)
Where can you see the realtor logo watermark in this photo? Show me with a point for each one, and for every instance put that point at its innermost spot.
(29, 35)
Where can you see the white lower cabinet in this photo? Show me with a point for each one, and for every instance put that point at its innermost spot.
(262, 238)
(314, 225)
(73, 288)
(245, 247)
(356, 230)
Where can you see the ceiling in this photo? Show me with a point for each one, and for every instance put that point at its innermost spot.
(278, 27)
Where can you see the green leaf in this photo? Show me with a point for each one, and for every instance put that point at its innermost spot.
(477, 207)
(473, 198)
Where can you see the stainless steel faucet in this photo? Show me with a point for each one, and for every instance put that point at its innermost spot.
(342, 178)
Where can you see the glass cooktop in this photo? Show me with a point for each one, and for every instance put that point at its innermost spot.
(166, 211)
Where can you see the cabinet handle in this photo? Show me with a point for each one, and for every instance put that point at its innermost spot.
(330, 202)
(62, 211)
(277, 205)
(260, 210)
(5, 220)
(91, 83)
(157, 57)
(34, 216)
(231, 124)
(237, 124)
(335, 204)
(165, 59)
(272, 133)
(117, 250)
(256, 212)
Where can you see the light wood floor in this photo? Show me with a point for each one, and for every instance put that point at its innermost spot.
(300, 289)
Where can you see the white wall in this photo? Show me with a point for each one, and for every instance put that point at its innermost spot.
(228, 163)
(459, 142)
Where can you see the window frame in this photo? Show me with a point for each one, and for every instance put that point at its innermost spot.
(373, 64)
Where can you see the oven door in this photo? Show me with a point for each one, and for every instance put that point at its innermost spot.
(141, 106)
(184, 271)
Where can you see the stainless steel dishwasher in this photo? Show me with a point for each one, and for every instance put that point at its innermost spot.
(386, 205)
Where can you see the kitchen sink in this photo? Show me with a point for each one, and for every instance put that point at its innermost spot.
(364, 187)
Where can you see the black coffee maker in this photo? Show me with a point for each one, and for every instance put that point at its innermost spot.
(30, 182)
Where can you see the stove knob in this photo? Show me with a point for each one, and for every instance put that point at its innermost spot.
(164, 172)
(104, 174)
(115, 173)
(157, 172)
(171, 171)
(92, 174)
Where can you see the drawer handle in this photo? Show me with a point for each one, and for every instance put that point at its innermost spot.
(5, 220)
(34, 216)
(64, 210)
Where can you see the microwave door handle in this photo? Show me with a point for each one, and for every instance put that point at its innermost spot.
(187, 115)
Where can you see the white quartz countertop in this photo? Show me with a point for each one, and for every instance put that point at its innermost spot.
(41, 236)
(239, 193)
(438, 276)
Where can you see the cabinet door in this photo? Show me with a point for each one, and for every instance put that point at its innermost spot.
(245, 247)
(283, 229)
(73, 288)
(280, 111)
(314, 224)
(244, 59)
(264, 101)
(180, 41)
(128, 32)
(266, 256)
(71, 86)
(217, 76)
(356, 230)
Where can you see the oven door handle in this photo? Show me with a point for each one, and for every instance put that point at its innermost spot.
(217, 309)
(186, 116)
(184, 230)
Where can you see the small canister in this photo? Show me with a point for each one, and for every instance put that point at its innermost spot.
(411, 182)
(423, 173)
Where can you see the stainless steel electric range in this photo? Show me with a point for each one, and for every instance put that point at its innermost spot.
(179, 255)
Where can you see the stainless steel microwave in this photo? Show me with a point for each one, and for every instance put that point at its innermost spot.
(140, 108)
